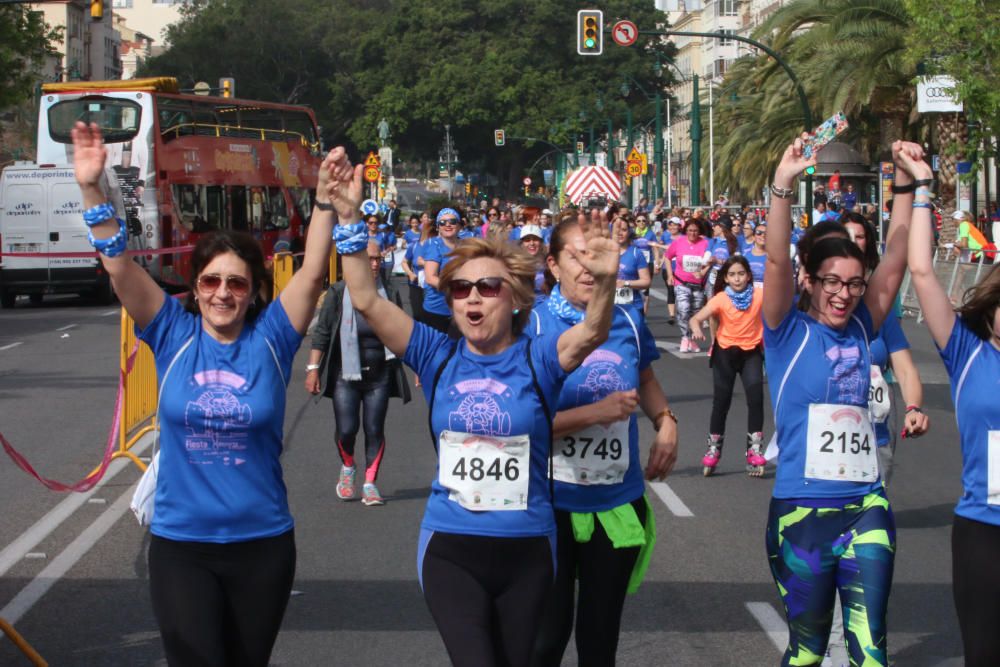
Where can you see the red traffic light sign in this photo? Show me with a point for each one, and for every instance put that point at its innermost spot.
(527, 181)
(499, 137)
(625, 33)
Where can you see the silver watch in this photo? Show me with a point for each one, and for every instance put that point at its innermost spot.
(312, 367)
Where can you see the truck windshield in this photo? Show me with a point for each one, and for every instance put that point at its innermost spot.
(118, 118)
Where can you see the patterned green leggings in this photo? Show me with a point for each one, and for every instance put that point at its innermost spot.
(814, 552)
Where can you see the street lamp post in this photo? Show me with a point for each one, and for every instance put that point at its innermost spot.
(628, 147)
(695, 194)
(670, 150)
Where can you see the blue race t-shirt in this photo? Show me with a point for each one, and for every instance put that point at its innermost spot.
(890, 339)
(222, 412)
(832, 367)
(490, 395)
(629, 263)
(546, 235)
(615, 366)
(642, 244)
(974, 370)
(411, 259)
(757, 264)
(435, 250)
(411, 236)
(388, 240)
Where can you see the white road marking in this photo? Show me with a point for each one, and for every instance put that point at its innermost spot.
(772, 623)
(12, 345)
(61, 564)
(35, 555)
(29, 539)
(675, 349)
(67, 327)
(110, 313)
(670, 499)
(659, 294)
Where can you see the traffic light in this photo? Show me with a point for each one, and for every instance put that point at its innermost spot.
(590, 32)
(96, 9)
(227, 85)
(499, 137)
(810, 170)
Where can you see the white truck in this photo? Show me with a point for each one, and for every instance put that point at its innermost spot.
(41, 211)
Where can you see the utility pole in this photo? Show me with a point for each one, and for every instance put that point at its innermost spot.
(695, 143)
(447, 156)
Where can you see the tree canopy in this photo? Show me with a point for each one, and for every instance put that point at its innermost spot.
(25, 42)
(476, 65)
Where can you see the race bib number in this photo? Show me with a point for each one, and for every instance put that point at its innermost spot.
(485, 473)
(993, 469)
(691, 263)
(879, 398)
(840, 444)
(624, 295)
(421, 278)
(595, 455)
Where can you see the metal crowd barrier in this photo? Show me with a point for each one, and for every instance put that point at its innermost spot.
(954, 275)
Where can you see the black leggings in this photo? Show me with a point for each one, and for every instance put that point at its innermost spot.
(417, 302)
(486, 595)
(348, 396)
(603, 574)
(220, 604)
(975, 547)
(727, 362)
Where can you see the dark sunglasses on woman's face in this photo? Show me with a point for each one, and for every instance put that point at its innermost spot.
(487, 288)
(447, 221)
(237, 285)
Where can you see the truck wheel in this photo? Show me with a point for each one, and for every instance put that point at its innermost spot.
(7, 299)
(104, 294)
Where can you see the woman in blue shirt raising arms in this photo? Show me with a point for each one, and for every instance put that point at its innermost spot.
(830, 527)
(970, 348)
(222, 551)
(487, 545)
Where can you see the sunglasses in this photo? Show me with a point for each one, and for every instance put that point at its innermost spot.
(447, 221)
(238, 286)
(487, 288)
(759, 232)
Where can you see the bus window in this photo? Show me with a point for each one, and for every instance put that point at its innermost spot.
(303, 200)
(118, 118)
(175, 118)
(277, 210)
(238, 209)
(258, 208)
(215, 206)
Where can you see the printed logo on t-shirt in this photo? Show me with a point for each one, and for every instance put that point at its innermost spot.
(847, 379)
(217, 421)
(602, 377)
(480, 409)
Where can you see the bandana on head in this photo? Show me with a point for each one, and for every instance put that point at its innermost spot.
(447, 211)
(563, 309)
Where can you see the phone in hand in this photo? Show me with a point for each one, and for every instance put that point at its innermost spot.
(826, 132)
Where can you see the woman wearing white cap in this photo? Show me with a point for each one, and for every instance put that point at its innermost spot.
(532, 242)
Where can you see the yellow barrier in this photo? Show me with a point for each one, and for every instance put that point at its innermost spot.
(284, 268)
(19, 641)
(333, 265)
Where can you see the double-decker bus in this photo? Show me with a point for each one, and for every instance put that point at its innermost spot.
(189, 164)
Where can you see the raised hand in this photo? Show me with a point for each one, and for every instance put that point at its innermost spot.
(910, 157)
(342, 184)
(600, 258)
(89, 154)
(793, 163)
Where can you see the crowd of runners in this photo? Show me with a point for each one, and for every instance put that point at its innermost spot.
(529, 341)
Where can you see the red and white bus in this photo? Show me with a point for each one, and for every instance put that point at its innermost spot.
(189, 164)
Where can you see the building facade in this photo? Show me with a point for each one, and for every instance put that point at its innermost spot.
(150, 17)
(90, 49)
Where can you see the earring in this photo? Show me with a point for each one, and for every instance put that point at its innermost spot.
(517, 310)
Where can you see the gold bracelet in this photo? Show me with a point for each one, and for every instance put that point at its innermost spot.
(665, 412)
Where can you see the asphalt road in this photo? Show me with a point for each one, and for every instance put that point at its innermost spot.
(73, 572)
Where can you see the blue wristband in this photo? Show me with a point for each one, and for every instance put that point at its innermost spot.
(922, 204)
(98, 214)
(114, 246)
(350, 238)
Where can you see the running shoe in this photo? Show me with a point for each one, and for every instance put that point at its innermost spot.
(370, 495)
(693, 346)
(755, 454)
(345, 487)
(712, 456)
(684, 344)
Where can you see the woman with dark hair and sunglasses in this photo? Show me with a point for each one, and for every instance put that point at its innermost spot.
(487, 543)
(360, 371)
(605, 525)
(968, 339)
(222, 549)
(436, 254)
(633, 270)
(829, 507)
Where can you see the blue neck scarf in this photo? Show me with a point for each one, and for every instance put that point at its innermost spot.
(563, 309)
(741, 300)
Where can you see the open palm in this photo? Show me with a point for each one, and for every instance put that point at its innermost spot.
(89, 153)
(600, 258)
